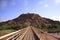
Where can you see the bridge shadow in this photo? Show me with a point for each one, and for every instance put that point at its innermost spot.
(35, 36)
(58, 38)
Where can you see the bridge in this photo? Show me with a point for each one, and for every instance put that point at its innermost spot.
(29, 33)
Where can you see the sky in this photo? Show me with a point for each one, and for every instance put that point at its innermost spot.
(10, 9)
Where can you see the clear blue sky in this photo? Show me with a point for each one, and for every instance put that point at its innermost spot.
(10, 9)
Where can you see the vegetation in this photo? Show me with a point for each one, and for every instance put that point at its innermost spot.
(7, 31)
(50, 28)
(3, 32)
(4, 27)
(26, 24)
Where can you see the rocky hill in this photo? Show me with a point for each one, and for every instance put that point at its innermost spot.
(32, 20)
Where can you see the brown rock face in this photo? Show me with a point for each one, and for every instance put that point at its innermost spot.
(34, 19)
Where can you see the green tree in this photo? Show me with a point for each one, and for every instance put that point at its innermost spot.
(27, 23)
(39, 26)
